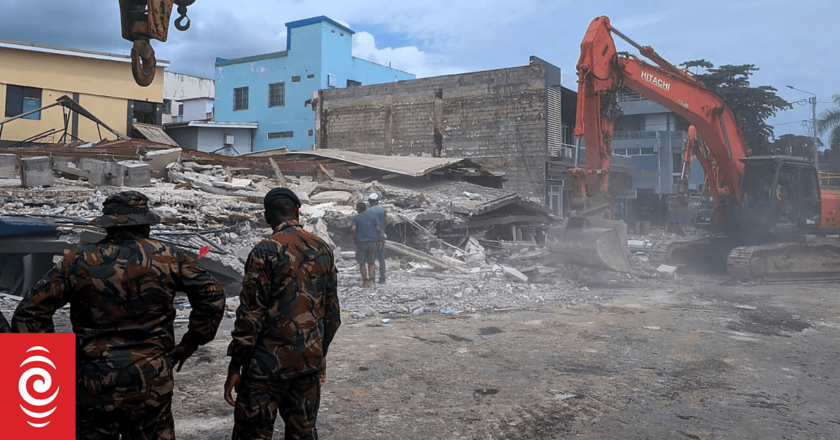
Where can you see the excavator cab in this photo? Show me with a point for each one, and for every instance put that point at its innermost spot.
(779, 195)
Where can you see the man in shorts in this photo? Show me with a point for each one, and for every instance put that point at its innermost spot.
(368, 237)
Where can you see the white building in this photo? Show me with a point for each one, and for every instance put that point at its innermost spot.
(187, 98)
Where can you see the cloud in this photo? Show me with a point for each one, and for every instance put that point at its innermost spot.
(409, 58)
(790, 44)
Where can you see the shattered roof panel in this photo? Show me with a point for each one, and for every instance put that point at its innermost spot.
(405, 165)
(154, 133)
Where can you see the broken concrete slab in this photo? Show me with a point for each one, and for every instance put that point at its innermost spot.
(71, 172)
(36, 171)
(138, 175)
(320, 229)
(514, 274)
(158, 160)
(339, 197)
(8, 166)
(105, 173)
(422, 257)
(667, 272)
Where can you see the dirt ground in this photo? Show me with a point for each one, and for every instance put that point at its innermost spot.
(696, 358)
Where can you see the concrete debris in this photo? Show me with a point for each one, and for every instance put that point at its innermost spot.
(514, 274)
(667, 272)
(36, 171)
(338, 197)
(485, 245)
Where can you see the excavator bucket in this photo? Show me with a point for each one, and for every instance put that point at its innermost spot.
(602, 244)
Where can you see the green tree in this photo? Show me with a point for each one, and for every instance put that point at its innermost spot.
(751, 105)
(829, 122)
(794, 145)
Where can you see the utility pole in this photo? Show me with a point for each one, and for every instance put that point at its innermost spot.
(813, 101)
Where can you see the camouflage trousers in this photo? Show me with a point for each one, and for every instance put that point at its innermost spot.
(135, 417)
(296, 400)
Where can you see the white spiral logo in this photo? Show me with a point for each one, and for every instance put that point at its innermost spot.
(41, 385)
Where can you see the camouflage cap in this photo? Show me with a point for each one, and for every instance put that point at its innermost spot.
(125, 209)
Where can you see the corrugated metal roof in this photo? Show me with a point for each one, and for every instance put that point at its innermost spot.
(405, 165)
(154, 133)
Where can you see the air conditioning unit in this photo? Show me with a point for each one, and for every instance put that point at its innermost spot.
(228, 139)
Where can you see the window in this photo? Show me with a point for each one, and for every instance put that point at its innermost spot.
(20, 100)
(310, 76)
(620, 152)
(331, 80)
(167, 106)
(311, 132)
(296, 79)
(647, 150)
(277, 95)
(351, 83)
(281, 135)
(240, 98)
(678, 163)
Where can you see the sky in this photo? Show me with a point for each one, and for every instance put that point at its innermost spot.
(792, 43)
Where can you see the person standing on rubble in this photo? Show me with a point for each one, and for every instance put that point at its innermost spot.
(286, 320)
(367, 234)
(121, 292)
(381, 215)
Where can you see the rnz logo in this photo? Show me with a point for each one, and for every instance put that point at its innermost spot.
(38, 386)
(42, 385)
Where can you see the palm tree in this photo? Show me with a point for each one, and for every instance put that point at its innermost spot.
(829, 122)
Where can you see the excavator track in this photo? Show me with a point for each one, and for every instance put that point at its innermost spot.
(785, 262)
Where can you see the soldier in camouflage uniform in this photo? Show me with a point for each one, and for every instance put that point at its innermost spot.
(121, 293)
(287, 317)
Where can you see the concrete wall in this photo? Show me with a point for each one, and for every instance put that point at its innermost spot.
(179, 87)
(496, 117)
(320, 49)
(197, 109)
(104, 87)
(211, 138)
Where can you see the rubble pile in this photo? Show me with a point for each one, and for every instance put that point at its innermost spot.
(452, 245)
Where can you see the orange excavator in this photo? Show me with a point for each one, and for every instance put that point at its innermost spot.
(770, 219)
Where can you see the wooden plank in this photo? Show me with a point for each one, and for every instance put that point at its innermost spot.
(277, 173)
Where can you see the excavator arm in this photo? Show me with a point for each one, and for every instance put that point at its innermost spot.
(602, 71)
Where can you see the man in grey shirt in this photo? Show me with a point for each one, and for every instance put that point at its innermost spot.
(368, 237)
(382, 217)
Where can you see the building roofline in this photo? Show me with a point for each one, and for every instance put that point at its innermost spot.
(251, 59)
(310, 21)
(192, 76)
(195, 98)
(315, 20)
(32, 47)
(213, 124)
(382, 65)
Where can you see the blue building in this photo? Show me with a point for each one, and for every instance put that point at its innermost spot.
(273, 89)
(653, 138)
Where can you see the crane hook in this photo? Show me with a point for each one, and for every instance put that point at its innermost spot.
(143, 62)
(182, 10)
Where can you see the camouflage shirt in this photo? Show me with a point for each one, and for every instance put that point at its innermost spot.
(4, 325)
(289, 311)
(121, 293)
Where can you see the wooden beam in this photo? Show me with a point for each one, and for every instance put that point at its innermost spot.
(277, 173)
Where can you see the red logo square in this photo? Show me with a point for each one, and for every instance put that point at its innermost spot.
(38, 386)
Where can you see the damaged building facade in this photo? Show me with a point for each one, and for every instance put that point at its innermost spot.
(34, 76)
(511, 121)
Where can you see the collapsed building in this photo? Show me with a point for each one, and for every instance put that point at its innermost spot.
(443, 212)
